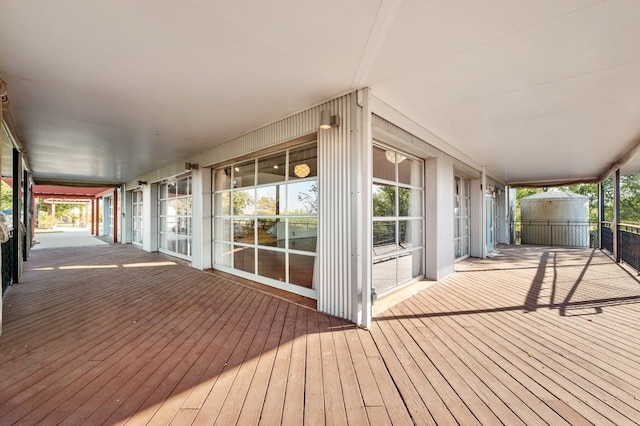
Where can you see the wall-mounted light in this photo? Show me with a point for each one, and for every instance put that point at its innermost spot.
(327, 120)
(190, 166)
(142, 182)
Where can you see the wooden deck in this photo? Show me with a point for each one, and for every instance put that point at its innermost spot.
(114, 335)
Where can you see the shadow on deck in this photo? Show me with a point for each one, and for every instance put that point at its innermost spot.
(116, 335)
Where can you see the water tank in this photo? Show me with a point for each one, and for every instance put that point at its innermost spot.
(555, 218)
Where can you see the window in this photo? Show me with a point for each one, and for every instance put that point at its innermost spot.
(136, 216)
(398, 219)
(174, 217)
(266, 217)
(461, 218)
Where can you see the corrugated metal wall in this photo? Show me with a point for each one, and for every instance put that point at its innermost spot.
(335, 290)
(334, 283)
(333, 269)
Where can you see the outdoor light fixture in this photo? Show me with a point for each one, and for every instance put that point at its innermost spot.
(394, 157)
(142, 182)
(327, 120)
(190, 166)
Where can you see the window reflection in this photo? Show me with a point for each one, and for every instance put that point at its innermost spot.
(303, 162)
(271, 232)
(269, 207)
(223, 178)
(382, 167)
(244, 174)
(301, 270)
(303, 234)
(269, 200)
(271, 264)
(272, 168)
(244, 202)
(398, 215)
(243, 231)
(174, 216)
(302, 198)
(384, 200)
(244, 258)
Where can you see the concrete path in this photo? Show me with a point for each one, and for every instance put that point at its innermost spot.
(67, 237)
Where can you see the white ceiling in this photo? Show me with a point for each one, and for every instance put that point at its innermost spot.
(535, 90)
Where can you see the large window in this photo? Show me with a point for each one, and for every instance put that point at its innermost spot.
(174, 217)
(266, 218)
(398, 219)
(136, 216)
(461, 218)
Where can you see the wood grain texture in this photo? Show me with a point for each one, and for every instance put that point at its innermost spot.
(115, 335)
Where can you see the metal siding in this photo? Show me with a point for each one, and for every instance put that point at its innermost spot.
(334, 267)
(334, 242)
(292, 127)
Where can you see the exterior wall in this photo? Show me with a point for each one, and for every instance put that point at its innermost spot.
(338, 291)
(440, 169)
(344, 247)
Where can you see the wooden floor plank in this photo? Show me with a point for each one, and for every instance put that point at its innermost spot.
(254, 401)
(533, 335)
(274, 401)
(314, 411)
(293, 412)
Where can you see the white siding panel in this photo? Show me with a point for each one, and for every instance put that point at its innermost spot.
(334, 242)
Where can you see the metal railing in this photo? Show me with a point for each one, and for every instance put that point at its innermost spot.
(628, 242)
(7, 262)
(566, 233)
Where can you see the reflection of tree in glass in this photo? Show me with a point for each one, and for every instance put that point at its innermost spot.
(309, 200)
(241, 200)
(267, 205)
(384, 201)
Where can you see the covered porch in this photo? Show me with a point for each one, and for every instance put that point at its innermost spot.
(117, 335)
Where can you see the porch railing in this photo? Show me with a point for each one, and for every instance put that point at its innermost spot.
(629, 242)
(566, 233)
(7, 263)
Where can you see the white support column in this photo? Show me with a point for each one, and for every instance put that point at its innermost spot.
(150, 217)
(201, 219)
(361, 213)
(439, 231)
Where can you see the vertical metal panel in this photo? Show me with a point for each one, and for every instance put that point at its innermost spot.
(289, 128)
(334, 280)
(334, 242)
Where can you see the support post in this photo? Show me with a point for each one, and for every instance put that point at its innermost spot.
(16, 216)
(600, 212)
(26, 217)
(115, 215)
(616, 220)
(93, 216)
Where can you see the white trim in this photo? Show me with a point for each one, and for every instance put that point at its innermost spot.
(291, 288)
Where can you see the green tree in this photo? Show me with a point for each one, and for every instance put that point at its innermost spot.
(6, 196)
(241, 200)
